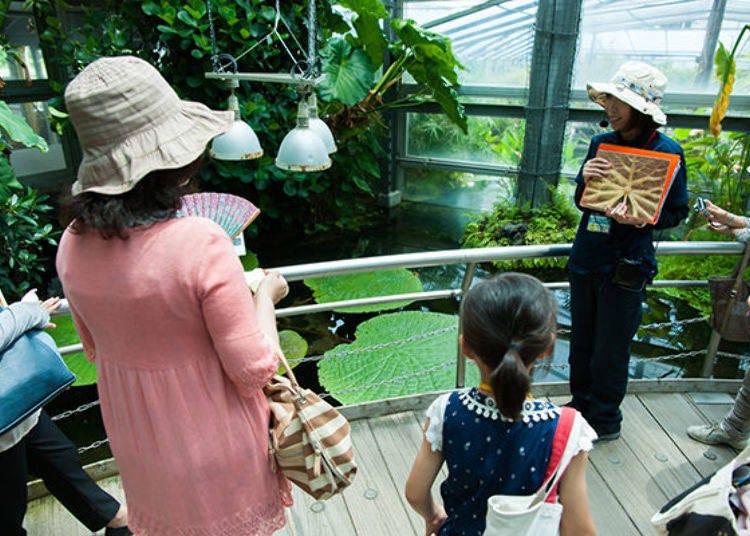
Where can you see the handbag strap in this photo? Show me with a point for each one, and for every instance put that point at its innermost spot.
(287, 369)
(559, 458)
(739, 272)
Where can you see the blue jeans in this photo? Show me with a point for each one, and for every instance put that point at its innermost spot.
(604, 319)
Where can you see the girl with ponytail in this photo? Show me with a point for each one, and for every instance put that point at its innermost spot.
(495, 438)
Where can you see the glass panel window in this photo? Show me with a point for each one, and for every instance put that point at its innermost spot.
(493, 41)
(668, 35)
(26, 161)
(497, 140)
(469, 191)
(20, 30)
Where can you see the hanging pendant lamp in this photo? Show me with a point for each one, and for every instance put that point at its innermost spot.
(302, 149)
(240, 142)
(319, 126)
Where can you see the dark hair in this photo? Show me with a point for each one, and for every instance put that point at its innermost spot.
(155, 198)
(641, 122)
(508, 322)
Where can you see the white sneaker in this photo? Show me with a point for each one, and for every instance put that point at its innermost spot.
(714, 434)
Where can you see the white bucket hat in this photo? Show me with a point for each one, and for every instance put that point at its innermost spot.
(130, 122)
(638, 84)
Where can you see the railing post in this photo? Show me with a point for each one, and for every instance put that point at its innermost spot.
(713, 347)
(471, 269)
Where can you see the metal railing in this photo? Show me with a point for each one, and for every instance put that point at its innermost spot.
(471, 258)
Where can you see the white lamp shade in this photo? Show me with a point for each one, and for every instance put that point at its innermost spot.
(303, 150)
(318, 126)
(238, 143)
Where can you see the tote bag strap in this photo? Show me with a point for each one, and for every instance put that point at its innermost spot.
(559, 458)
(738, 274)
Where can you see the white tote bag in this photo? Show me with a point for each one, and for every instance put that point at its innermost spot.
(532, 515)
(705, 507)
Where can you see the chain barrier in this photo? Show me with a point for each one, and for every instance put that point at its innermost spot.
(94, 445)
(79, 409)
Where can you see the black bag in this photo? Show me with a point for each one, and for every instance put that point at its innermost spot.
(729, 311)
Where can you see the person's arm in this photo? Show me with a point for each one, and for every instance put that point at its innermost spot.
(19, 318)
(419, 486)
(576, 515)
(242, 330)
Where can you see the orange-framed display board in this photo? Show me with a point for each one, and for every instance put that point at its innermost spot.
(639, 177)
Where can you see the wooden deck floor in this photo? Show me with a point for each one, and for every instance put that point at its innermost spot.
(629, 479)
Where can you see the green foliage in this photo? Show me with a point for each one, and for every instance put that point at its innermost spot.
(18, 130)
(364, 285)
(174, 35)
(363, 370)
(294, 347)
(65, 335)
(511, 225)
(26, 238)
(718, 167)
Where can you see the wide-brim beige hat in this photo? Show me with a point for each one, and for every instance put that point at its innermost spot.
(130, 122)
(638, 84)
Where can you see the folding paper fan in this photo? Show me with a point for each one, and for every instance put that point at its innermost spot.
(231, 212)
(638, 177)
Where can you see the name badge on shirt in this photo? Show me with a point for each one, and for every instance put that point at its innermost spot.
(598, 223)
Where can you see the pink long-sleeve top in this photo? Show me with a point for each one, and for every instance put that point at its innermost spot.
(181, 362)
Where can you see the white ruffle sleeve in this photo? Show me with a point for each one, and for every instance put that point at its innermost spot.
(586, 435)
(436, 413)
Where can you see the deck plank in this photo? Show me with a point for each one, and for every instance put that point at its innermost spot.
(666, 463)
(309, 517)
(385, 513)
(398, 436)
(675, 413)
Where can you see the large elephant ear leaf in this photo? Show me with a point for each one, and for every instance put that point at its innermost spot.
(365, 285)
(18, 130)
(395, 354)
(347, 73)
(375, 8)
(65, 335)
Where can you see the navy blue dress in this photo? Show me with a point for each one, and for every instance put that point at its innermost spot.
(487, 454)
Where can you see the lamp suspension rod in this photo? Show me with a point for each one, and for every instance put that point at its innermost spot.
(311, 31)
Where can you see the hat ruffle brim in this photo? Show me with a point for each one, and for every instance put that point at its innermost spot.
(628, 96)
(174, 142)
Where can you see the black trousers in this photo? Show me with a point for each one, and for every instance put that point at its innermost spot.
(47, 453)
(604, 319)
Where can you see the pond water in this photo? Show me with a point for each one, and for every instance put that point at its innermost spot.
(419, 227)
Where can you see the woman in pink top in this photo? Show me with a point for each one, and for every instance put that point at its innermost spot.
(181, 345)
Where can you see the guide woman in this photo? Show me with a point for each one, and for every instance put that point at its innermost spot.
(613, 255)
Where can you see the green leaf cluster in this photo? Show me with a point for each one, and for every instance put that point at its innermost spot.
(27, 240)
(175, 36)
(512, 225)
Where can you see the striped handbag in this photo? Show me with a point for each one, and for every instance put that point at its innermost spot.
(309, 439)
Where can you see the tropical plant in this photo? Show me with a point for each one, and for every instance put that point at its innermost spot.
(725, 71)
(395, 354)
(175, 35)
(26, 231)
(364, 285)
(511, 225)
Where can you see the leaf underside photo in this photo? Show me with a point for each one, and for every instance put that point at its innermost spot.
(636, 179)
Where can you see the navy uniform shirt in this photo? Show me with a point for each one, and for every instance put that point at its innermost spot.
(598, 252)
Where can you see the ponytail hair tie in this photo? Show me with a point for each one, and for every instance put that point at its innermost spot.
(509, 353)
(515, 346)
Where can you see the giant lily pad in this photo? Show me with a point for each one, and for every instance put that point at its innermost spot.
(294, 347)
(356, 372)
(65, 335)
(353, 286)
